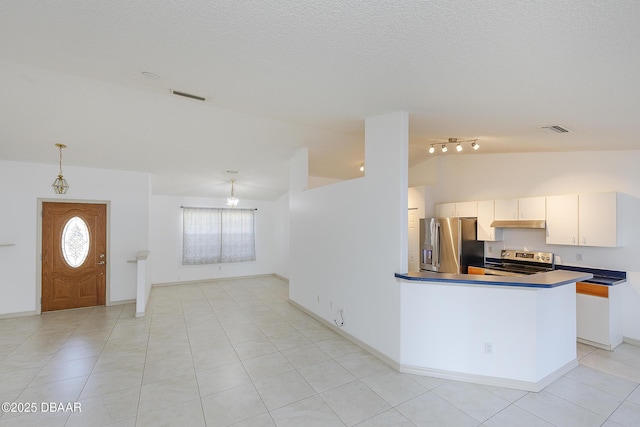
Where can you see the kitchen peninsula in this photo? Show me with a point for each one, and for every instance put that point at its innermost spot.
(517, 332)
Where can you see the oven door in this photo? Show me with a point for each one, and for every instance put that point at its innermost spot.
(494, 272)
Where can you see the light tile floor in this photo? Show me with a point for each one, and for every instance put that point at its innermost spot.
(235, 352)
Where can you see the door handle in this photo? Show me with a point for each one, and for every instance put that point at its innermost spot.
(100, 263)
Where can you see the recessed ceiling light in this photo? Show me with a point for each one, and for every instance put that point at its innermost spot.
(231, 171)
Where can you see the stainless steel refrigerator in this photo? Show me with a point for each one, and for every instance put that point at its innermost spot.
(450, 245)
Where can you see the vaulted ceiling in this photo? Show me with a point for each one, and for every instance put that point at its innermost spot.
(281, 74)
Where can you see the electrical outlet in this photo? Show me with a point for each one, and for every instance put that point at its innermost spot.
(318, 299)
(330, 304)
(488, 348)
(490, 249)
(578, 257)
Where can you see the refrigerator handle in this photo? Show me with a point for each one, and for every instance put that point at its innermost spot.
(436, 248)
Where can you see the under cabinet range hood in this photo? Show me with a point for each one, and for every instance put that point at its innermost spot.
(519, 223)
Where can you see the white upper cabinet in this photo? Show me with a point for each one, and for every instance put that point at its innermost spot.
(599, 219)
(467, 209)
(460, 209)
(486, 214)
(506, 209)
(584, 220)
(532, 208)
(445, 210)
(515, 209)
(562, 220)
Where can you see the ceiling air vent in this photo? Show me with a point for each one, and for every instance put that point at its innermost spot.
(556, 129)
(188, 95)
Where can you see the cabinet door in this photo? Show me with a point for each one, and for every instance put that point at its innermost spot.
(506, 209)
(485, 218)
(532, 208)
(562, 220)
(592, 319)
(467, 209)
(445, 210)
(598, 219)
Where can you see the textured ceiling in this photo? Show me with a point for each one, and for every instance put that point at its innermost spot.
(281, 74)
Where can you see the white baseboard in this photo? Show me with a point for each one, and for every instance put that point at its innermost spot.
(18, 314)
(595, 344)
(217, 279)
(458, 376)
(366, 347)
(284, 279)
(493, 381)
(122, 302)
(631, 341)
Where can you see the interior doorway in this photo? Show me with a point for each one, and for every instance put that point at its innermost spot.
(74, 248)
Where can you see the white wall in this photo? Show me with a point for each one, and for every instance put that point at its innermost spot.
(25, 183)
(281, 239)
(493, 176)
(348, 239)
(166, 241)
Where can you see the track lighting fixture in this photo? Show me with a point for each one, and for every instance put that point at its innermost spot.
(458, 143)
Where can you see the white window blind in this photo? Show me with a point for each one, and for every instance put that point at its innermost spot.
(211, 235)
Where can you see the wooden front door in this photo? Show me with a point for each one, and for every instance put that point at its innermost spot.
(74, 243)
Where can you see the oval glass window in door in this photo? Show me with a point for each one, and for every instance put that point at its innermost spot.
(75, 242)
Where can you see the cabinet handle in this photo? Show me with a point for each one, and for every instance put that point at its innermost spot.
(573, 239)
(584, 240)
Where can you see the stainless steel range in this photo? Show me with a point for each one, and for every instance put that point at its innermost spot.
(519, 263)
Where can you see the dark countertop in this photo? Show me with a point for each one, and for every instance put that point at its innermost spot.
(550, 279)
(600, 276)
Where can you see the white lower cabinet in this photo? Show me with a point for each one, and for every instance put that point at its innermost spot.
(599, 318)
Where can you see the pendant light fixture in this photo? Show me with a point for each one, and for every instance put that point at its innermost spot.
(232, 200)
(60, 185)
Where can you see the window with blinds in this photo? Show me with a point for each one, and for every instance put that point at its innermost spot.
(211, 235)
